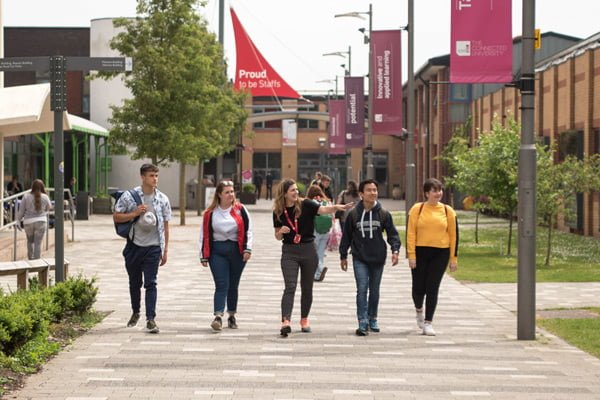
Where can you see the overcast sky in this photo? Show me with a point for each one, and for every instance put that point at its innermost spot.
(293, 35)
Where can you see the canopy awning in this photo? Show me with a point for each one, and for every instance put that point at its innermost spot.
(25, 110)
(84, 125)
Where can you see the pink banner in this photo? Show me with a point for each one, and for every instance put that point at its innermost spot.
(355, 111)
(481, 41)
(387, 82)
(337, 127)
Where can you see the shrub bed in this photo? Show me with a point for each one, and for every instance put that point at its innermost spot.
(32, 321)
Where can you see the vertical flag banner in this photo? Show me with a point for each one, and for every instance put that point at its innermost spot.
(355, 111)
(337, 127)
(481, 41)
(289, 131)
(253, 72)
(387, 84)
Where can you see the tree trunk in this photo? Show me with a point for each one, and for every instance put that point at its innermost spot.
(549, 244)
(181, 193)
(477, 226)
(510, 225)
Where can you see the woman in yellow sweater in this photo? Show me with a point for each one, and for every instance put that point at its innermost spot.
(432, 243)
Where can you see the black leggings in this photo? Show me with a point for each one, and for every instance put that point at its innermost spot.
(294, 257)
(427, 276)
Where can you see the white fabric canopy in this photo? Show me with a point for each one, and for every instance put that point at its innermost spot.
(26, 110)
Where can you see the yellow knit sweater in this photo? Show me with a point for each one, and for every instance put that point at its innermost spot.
(432, 226)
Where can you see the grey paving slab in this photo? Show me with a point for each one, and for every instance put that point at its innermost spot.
(475, 354)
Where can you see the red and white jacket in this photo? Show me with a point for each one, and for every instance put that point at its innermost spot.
(244, 233)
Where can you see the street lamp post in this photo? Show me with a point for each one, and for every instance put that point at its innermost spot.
(343, 54)
(331, 81)
(410, 197)
(357, 14)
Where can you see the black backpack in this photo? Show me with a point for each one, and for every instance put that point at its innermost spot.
(123, 228)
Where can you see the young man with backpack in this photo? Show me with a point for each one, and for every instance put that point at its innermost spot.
(363, 233)
(147, 242)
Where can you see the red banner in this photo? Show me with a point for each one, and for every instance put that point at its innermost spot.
(481, 41)
(253, 72)
(387, 82)
(337, 127)
(355, 111)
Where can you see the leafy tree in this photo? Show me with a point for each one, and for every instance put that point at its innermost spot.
(559, 183)
(463, 167)
(183, 108)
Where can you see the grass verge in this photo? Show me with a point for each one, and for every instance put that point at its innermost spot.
(583, 333)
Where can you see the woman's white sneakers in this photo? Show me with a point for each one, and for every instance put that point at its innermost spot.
(428, 329)
(420, 318)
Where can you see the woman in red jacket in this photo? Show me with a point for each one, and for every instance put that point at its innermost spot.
(225, 245)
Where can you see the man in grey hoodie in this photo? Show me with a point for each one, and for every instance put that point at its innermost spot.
(363, 233)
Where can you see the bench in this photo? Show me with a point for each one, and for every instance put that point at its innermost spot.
(22, 269)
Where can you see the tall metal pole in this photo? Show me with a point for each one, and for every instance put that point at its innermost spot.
(350, 60)
(410, 110)
(58, 104)
(527, 182)
(2, 137)
(370, 167)
(219, 176)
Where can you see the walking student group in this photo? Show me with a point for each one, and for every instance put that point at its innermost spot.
(305, 227)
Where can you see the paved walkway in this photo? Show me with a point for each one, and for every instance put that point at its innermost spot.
(474, 355)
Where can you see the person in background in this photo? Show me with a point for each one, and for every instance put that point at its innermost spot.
(269, 184)
(432, 243)
(14, 186)
(33, 211)
(363, 232)
(294, 225)
(325, 184)
(148, 244)
(348, 195)
(258, 182)
(225, 245)
(317, 178)
(323, 224)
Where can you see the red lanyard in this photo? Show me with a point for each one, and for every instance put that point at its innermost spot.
(293, 226)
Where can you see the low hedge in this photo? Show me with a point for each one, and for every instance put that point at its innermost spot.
(26, 314)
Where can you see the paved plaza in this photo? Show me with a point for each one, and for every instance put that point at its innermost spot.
(474, 355)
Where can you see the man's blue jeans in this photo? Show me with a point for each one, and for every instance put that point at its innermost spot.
(142, 268)
(226, 264)
(368, 280)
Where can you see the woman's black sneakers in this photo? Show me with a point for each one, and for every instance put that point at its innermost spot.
(231, 322)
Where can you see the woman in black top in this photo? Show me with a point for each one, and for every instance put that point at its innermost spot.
(293, 220)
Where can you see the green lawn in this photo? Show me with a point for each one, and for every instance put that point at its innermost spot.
(583, 333)
(575, 258)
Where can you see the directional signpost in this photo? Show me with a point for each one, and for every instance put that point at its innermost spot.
(58, 67)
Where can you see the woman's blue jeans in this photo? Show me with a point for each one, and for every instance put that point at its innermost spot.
(321, 244)
(226, 264)
(368, 281)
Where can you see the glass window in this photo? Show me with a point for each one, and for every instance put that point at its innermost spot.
(263, 163)
(460, 92)
(274, 124)
(459, 112)
(309, 123)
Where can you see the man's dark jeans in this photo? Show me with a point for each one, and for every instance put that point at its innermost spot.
(142, 267)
